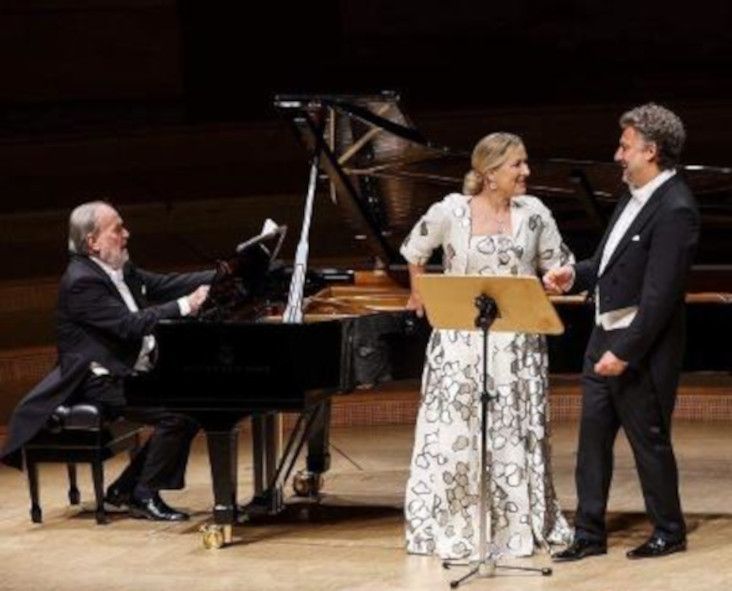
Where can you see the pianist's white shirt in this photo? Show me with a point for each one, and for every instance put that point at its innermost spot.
(143, 362)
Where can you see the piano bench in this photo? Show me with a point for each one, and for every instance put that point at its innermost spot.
(78, 434)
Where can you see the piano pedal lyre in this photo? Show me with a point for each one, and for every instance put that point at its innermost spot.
(307, 484)
(215, 536)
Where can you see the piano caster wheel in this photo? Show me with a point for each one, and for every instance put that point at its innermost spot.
(307, 484)
(215, 536)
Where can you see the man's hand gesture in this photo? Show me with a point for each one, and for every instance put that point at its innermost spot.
(558, 280)
(610, 365)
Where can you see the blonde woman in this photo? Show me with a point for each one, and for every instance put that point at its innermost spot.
(492, 228)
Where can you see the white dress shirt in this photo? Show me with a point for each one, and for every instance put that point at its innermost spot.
(622, 318)
(143, 362)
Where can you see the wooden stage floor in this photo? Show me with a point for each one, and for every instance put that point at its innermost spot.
(357, 541)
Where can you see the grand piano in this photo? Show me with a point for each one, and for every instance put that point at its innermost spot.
(240, 360)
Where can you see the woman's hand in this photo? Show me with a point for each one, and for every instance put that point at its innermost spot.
(415, 303)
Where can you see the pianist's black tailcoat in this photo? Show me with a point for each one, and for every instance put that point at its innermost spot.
(648, 269)
(94, 325)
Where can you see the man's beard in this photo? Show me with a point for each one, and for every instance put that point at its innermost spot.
(118, 259)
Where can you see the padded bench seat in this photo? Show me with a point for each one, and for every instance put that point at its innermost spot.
(78, 434)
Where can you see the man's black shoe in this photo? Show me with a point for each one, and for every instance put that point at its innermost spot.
(155, 509)
(117, 497)
(580, 548)
(656, 546)
(161, 503)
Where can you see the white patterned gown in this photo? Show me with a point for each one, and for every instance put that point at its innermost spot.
(442, 496)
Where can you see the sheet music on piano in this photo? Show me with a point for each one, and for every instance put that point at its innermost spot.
(243, 278)
(270, 229)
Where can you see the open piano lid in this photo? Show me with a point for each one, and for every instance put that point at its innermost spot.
(384, 174)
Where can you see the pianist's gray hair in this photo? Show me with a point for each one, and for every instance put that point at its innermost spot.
(488, 154)
(82, 222)
(660, 126)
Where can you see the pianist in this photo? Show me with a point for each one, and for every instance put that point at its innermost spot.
(107, 309)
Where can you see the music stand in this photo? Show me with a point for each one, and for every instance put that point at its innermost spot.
(503, 304)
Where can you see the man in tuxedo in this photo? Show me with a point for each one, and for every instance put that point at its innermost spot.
(104, 324)
(634, 355)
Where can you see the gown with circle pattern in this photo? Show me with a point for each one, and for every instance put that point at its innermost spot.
(441, 505)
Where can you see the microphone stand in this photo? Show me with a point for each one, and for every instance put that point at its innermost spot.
(486, 565)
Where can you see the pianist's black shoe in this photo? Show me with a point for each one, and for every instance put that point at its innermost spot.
(580, 548)
(656, 546)
(155, 509)
(117, 497)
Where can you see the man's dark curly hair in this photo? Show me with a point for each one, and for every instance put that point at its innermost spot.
(661, 126)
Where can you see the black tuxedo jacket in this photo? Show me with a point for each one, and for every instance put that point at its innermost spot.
(648, 269)
(93, 324)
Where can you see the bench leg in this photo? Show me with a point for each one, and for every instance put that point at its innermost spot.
(35, 512)
(98, 477)
(74, 496)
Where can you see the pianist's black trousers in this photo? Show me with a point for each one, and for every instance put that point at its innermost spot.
(161, 463)
(631, 401)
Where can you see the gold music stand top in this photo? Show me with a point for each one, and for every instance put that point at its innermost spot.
(523, 306)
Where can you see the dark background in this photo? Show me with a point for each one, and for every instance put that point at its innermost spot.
(464, 53)
(198, 61)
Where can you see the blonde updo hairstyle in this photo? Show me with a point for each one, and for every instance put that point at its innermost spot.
(488, 154)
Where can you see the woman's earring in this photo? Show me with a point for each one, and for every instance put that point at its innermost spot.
(492, 186)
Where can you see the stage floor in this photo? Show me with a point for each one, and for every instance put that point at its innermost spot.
(357, 540)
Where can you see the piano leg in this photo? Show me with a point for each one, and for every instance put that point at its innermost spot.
(222, 455)
(273, 437)
(309, 482)
(266, 433)
(319, 442)
(258, 439)
(271, 471)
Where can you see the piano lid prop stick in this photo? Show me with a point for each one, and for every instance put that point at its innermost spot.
(293, 311)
